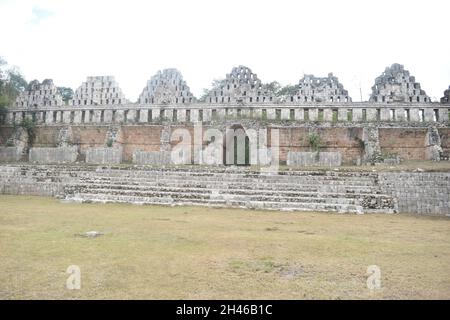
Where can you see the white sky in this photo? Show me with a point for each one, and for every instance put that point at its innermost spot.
(279, 40)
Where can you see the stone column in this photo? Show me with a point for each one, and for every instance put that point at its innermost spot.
(357, 114)
(97, 116)
(131, 117)
(143, 116)
(429, 115)
(194, 115)
(77, 117)
(66, 116)
(107, 116)
(120, 116)
(327, 115)
(299, 114)
(271, 114)
(372, 150)
(371, 114)
(181, 115)
(156, 114)
(207, 114)
(221, 113)
(444, 114)
(313, 114)
(414, 114)
(385, 114)
(433, 145)
(48, 117)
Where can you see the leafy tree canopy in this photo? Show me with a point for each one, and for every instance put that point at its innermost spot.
(12, 83)
(274, 88)
(66, 93)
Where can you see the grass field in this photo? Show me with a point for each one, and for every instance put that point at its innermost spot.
(151, 252)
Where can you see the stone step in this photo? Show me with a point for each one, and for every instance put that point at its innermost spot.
(211, 179)
(274, 205)
(366, 200)
(198, 172)
(337, 181)
(221, 196)
(203, 182)
(232, 189)
(138, 180)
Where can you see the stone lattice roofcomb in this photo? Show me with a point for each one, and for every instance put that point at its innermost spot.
(315, 89)
(40, 95)
(396, 84)
(166, 87)
(240, 86)
(99, 90)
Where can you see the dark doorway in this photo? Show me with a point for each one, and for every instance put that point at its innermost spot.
(236, 147)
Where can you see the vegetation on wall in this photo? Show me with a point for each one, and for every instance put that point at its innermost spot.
(272, 88)
(28, 125)
(314, 142)
(66, 93)
(109, 142)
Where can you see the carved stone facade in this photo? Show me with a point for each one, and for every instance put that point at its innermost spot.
(39, 95)
(166, 87)
(446, 98)
(396, 85)
(240, 86)
(103, 90)
(321, 90)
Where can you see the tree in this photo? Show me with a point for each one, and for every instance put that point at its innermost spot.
(272, 87)
(11, 84)
(217, 84)
(66, 93)
(289, 90)
(16, 81)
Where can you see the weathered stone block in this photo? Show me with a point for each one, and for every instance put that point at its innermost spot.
(53, 155)
(104, 155)
(151, 157)
(303, 159)
(8, 154)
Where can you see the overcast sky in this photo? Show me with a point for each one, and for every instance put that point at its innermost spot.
(279, 40)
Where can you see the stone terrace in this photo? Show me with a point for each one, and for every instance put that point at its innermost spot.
(354, 192)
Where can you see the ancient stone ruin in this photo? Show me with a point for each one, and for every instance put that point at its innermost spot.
(37, 95)
(395, 85)
(166, 87)
(240, 124)
(103, 90)
(102, 126)
(321, 90)
(240, 86)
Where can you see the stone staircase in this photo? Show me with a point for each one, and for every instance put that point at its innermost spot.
(357, 192)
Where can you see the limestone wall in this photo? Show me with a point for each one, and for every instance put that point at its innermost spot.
(53, 155)
(10, 154)
(305, 159)
(151, 157)
(408, 143)
(104, 155)
(418, 192)
(413, 192)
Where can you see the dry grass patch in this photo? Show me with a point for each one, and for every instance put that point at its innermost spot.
(153, 252)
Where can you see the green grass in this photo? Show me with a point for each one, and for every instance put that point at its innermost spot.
(152, 252)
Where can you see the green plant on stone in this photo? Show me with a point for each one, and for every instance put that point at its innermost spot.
(28, 125)
(361, 143)
(314, 141)
(109, 142)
